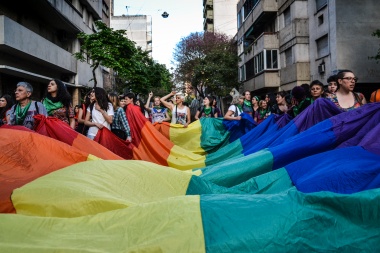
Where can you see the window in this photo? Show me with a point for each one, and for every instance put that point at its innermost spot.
(240, 17)
(287, 17)
(320, 20)
(242, 73)
(259, 62)
(320, 4)
(288, 57)
(271, 59)
(250, 69)
(266, 60)
(249, 5)
(322, 46)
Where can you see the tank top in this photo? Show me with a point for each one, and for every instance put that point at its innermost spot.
(179, 116)
(158, 114)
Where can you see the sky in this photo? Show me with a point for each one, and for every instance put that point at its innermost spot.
(185, 17)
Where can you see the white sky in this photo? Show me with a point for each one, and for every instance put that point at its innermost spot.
(185, 17)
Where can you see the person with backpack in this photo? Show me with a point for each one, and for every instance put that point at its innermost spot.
(207, 110)
(100, 112)
(235, 108)
(25, 108)
(345, 98)
(58, 102)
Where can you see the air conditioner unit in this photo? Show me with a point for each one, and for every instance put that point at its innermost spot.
(321, 68)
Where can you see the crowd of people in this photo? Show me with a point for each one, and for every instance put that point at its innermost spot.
(100, 109)
(339, 90)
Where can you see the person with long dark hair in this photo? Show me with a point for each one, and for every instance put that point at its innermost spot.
(82, 128)
(58, 102)
(100, 112)
(141, 104)
(6, 103)
(207, 110)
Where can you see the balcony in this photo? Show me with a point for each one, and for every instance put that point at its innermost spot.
(30, 47)
(266, 41)
(262, 7)
(208, 27)
(208, 14)
(264, 13)
(298, 28)
(207, 3)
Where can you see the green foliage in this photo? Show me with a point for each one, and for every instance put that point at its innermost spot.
(208, 61)
(135, 69)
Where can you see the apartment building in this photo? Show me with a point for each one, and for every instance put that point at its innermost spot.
(284, 43)
(138, 27)
(38, 39)
(220, 16)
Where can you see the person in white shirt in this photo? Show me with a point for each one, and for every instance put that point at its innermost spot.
(99, 113)
(235, 108)
(180, 112)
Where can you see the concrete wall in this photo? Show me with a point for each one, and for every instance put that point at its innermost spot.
(349, 27)
(354, 42)
(225, 17)
(139, 29)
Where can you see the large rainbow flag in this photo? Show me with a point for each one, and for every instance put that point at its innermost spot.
(315, 187)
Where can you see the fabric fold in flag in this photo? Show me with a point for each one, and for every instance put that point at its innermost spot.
(24, 158)
(59, 130)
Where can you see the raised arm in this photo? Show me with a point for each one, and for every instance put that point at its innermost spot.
(148, 101)
(165, 103)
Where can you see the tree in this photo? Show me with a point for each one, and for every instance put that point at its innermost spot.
(108, 48)
(147, 74)
(208, 61)
(134, 68)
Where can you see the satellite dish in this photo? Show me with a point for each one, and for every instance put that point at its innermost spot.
(165, 14)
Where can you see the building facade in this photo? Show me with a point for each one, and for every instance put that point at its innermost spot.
(220, 16)
(284, 43)
(138, 27)
(38, 39)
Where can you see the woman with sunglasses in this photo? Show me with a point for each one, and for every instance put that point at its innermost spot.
(345, 98)
(180, 112)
